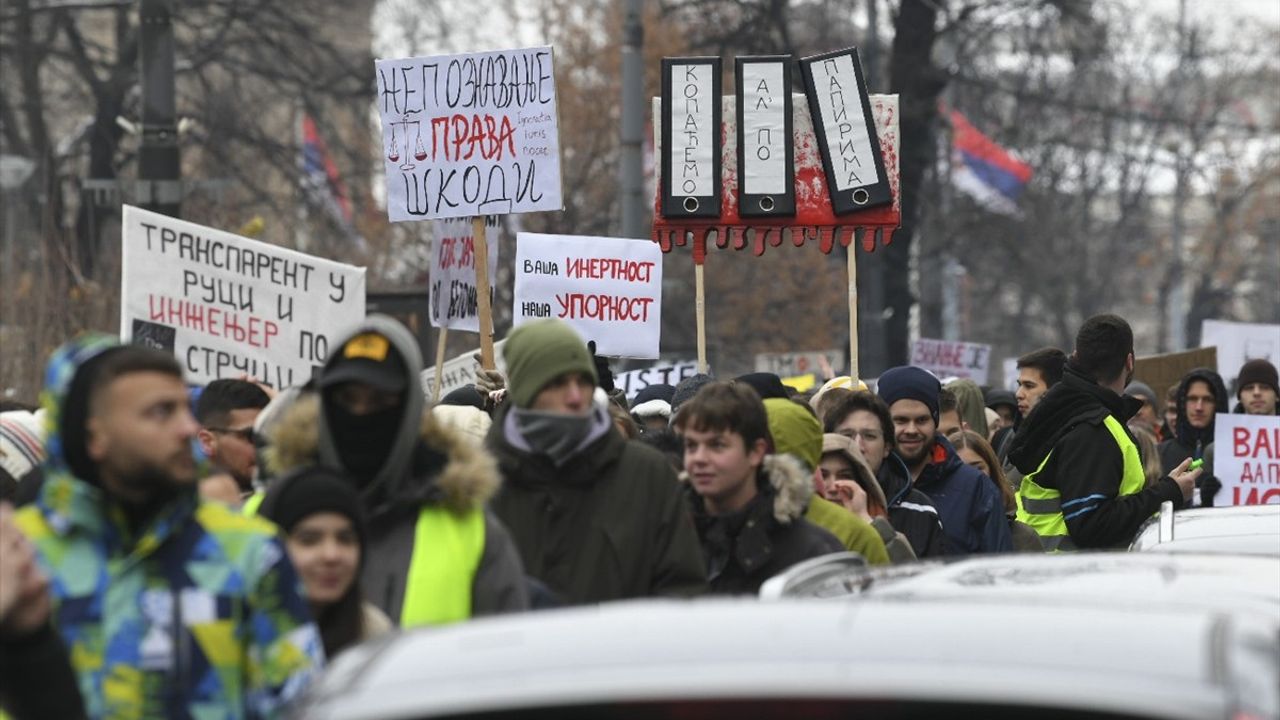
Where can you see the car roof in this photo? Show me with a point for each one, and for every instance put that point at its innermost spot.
(1241, 530)
(1141, 658)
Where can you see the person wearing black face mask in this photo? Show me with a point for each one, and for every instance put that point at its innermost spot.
(416, 479)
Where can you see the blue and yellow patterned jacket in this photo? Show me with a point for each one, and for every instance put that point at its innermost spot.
(198, 615)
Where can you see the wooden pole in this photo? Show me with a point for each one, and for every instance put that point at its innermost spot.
(701, 316)
(482, 291)
(853, 307)
(440, 342)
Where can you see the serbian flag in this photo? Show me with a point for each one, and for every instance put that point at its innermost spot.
(984, 170)
(320, 173)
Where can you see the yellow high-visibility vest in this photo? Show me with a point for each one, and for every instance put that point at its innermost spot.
(446, 553)
(1042, 508)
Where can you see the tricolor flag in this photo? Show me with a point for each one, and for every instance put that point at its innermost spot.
(320, 174)
(984, 170)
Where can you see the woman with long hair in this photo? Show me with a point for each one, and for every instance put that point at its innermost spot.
(319, 513)
(974, 450)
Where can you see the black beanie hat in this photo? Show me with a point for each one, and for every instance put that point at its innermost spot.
(687, 388)
(1257, 371)
(465, 395)
(310, 490)
(910, 383)
(766, 384)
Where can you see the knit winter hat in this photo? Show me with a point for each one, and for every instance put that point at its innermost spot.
(910, 383)
(1143, 391)
(660, 391)
(538, 352)
(766, 384)
(795, 430)
(310, 490)
(1257, 371)
(687, 388)
(21, 441)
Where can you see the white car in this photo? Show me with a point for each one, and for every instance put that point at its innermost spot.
(1240, 530)
(1103, 636)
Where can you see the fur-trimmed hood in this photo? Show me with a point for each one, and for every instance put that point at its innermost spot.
(463, 478)
(789, 483)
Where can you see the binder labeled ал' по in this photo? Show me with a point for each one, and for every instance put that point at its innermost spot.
(766, 173)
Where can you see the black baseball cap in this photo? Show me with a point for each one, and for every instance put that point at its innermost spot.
(367, 358)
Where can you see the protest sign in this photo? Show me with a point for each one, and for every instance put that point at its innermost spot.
(470, 134)
(1009, 370)
(1246, 459)
(458, 372)
(1162, 372)
(1238, 343)
(634, 381)
(454, 302)
(228, 306)
(608, 289)
(952, 358)
(783, 364)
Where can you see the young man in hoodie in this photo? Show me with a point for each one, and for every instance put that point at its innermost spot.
(864, 418)
(748, 504)
(595, 516)
(967, 501)
(1083, 482)
(434, 555)
(1201, 396)
(169, 605)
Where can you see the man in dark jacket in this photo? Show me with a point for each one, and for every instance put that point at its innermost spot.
(423, 486)
(1083, 483)
(748, 505)
(864, 418)
(1201, 396)
(967, 501)
(595, 516)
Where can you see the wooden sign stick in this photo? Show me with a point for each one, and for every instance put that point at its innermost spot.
(482, 291)
(853, 306)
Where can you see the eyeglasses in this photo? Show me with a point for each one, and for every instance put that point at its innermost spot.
(245, 434)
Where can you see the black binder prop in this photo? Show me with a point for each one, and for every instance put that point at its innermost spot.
(691, 137)
(766, 173)
(843, 124)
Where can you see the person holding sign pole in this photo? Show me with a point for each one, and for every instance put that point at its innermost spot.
(434, 554)
(596, 517)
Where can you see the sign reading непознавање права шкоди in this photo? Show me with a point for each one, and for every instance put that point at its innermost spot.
(470, 134)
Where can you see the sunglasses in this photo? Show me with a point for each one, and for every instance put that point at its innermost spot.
(245, 434)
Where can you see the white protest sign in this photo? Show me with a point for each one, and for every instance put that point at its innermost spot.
(608, 289)
(1246, 459)
(453, 273)
(1238, 343)
(952, 358)
(470, 134)
(633, 381)
(459, 372)
(228, 306)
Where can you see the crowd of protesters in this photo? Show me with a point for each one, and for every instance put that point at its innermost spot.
(174, 552)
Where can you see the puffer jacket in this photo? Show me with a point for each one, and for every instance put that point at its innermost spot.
(967, 501)
(766, 537)
(198, 609)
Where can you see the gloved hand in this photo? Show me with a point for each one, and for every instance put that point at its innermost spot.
(488, 381)
(602, 368)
